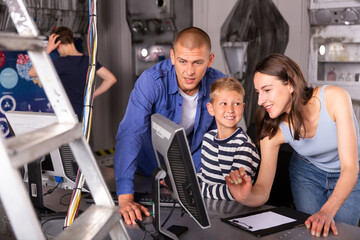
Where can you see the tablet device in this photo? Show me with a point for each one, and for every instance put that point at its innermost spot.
(264, 222)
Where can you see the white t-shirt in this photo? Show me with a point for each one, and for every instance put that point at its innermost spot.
(189, 108)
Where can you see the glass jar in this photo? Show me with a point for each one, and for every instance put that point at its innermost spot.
(333, 54)
(331, 76)
(341, 77)
(343, 54)
(348, 77)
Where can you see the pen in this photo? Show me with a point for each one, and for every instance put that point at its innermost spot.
(242, 224)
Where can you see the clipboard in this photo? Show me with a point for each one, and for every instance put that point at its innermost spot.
(272, 220)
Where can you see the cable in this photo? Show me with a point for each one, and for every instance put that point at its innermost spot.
(143, 228)
(168, 217)
(87, 111)
(173, 207)
(51, 190)
(64, 204)
(50, 219)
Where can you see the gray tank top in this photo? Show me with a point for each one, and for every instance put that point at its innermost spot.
(321, 150)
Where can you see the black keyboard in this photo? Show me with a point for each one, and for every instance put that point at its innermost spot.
(166, 200)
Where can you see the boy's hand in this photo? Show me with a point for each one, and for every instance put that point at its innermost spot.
(239, 184)
(51, 46)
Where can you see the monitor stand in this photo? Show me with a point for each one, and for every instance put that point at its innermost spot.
(157, 176)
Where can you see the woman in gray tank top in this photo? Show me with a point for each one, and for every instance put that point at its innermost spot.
(320, 125)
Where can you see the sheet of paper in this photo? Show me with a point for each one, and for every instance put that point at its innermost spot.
(262, 221)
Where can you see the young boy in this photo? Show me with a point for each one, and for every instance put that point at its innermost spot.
(228, 147)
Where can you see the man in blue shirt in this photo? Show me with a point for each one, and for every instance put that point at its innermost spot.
(177, 89)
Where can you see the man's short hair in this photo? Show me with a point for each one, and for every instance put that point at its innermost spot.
(226, 83)
(65, 35)
(191, 38)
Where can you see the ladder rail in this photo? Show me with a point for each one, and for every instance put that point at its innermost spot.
(15, 42)
(87, 161)
(95, 223)
(16, 201)
(24, 24)
(97, 186)
(53, 88)
(14, 195)
(24, 148)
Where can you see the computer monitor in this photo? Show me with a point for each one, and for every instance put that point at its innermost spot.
(59, 165)
(174, 158)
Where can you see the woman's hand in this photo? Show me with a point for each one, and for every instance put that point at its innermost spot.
(51, 46)
(239, 184)
(321, 222)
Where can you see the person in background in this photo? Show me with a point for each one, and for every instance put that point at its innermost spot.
(320, 125)
(72, 67)
(228, 147)
(177, 88)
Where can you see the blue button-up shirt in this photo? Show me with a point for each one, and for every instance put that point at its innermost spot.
(156, 91)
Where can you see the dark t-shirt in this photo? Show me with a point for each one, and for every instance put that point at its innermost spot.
(72, 71)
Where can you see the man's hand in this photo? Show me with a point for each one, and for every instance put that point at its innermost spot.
(321, 222)
(51, 46)
(131, 210)
(239, 184)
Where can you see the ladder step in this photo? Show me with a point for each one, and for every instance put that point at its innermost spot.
(95, 223)
(27, 147)
(15, 42)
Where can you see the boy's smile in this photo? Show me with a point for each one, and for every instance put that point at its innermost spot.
(228, 108)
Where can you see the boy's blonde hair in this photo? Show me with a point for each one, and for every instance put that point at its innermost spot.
(226, 83)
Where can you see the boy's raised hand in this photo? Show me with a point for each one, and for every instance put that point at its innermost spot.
(239, 184)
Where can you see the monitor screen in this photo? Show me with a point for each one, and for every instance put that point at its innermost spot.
(59, 163)
(174, 157)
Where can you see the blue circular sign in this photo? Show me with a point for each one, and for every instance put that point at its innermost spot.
(4, 127)
(8, 78)
(7, 103)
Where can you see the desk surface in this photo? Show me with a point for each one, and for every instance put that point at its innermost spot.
(219, 230)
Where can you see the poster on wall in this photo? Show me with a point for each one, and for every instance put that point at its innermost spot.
(19, 91)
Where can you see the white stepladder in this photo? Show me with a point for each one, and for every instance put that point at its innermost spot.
(99, 220)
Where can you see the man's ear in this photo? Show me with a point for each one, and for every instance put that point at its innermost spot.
(211, 59)
(172, 56)
(210, 109)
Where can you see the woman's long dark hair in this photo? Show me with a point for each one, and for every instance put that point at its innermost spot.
(287, 71)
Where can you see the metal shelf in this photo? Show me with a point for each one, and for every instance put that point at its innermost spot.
(338, 62)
